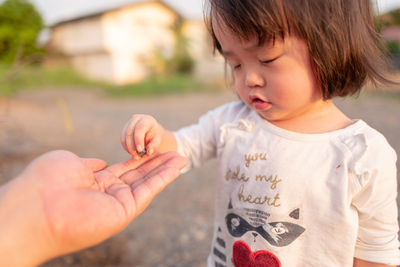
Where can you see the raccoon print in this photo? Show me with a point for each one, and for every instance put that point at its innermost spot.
(276, 233)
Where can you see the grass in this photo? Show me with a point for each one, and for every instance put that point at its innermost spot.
(176, 83)
(36, 78)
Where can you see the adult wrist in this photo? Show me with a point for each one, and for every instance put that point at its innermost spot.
(24, 236)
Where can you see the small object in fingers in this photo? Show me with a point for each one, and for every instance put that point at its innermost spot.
(142, 153)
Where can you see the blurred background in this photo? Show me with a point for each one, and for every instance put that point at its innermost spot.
(73, 72)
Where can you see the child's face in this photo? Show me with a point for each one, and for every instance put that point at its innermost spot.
(276, 80)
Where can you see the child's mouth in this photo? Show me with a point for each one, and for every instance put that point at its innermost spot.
(260, 104)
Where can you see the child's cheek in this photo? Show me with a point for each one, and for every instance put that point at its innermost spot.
(240, 88)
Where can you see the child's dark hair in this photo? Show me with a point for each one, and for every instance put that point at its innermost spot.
(340, 35)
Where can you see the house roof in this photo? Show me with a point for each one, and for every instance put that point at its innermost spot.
(102, 10)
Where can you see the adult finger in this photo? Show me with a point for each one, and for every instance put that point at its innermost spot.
(144, 190)
(95, 164)
(153, 165)
(120, 168)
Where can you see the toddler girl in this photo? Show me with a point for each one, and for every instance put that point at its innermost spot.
(301, 184)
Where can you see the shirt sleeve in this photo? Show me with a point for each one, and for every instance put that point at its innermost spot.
(375, 201)
(197, 142)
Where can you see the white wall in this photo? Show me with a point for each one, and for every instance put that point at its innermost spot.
(96, 66)
(132, 34)
(209, 67)
(79, 37)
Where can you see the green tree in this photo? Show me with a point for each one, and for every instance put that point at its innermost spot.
(388, 19)
(20, 24)
(181, 60)
(395, 17)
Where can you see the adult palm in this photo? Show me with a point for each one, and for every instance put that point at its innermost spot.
(68, 203)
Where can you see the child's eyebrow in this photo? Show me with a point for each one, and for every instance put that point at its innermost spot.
(250, 47)
(270, 50)
(227, 53)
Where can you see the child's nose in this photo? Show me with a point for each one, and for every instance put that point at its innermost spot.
(254, 79)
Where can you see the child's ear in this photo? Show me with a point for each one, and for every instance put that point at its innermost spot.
(295, 214)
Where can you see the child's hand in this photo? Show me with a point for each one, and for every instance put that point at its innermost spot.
(141, 135)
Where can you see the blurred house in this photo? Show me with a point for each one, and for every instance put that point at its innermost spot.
(209, 66)
(119, 45)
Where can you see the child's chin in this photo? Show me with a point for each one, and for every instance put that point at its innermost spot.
(265, 117)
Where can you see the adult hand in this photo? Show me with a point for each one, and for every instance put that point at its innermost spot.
(62, 203)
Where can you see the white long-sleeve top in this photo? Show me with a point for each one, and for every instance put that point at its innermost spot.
(296, 199)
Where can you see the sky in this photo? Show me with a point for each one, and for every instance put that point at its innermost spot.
(57, 10)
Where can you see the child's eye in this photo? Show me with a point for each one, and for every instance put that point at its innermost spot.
(236, 67)
(268, 61)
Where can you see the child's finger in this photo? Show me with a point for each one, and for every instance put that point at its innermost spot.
(123, 138)
(141, 129)
(129, 135)
(129, 141)
(153, 141)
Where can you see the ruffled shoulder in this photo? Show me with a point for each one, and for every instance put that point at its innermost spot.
(368, 152)
(245, 125)
(237, 117)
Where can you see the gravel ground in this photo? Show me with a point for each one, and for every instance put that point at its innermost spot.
(176, 229)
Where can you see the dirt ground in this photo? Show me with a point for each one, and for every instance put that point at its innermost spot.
(176, 229)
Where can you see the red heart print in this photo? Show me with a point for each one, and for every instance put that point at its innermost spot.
(244, 257)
